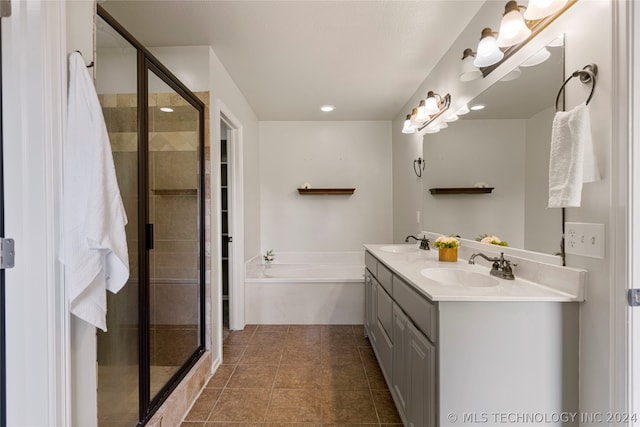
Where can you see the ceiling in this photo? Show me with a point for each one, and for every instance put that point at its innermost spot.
(290, 57)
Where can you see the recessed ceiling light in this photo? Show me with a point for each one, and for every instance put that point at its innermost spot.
(327, 108)
(166, 109)
(477, 107)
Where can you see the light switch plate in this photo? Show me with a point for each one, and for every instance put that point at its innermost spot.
(586, 239)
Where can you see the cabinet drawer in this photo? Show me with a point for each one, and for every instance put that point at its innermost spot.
(384, 277)
(421, 311)
(385, 312)
(371, 263)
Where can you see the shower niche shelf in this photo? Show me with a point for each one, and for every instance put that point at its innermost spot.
(326, 191)
(461, 190)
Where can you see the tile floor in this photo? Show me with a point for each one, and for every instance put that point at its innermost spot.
(296, 375)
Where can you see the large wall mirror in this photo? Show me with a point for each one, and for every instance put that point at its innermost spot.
(505, 146)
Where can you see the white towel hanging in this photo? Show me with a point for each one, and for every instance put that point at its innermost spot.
(94, 244)
(572, 160)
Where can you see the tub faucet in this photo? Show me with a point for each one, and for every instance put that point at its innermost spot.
(501, 267)
(424, 242)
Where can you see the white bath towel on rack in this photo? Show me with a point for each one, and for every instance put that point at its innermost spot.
(572, 160)
(94, 245)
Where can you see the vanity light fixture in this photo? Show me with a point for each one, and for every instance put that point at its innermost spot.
(468, 71)
(516, 30)
(166, 109)
(428, 109)
(513, 29)
(537, 58)
(488, 52)
(478, 107)
(539, 9)
(327, 108)
(443, 125)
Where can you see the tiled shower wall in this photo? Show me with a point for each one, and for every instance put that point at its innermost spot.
(173, 166)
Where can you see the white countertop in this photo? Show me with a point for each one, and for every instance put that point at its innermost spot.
(410, 264)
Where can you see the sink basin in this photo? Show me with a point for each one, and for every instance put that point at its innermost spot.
(459, 277)
(400, 249)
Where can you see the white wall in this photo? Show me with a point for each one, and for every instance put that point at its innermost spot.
(583, 46)
(224, 91)
(471, 151)
(325, 154)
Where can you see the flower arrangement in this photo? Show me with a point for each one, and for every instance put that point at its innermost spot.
(492, 240)
(444, 242)
(269, 256)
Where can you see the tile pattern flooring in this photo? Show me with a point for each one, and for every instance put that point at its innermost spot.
(296, 375)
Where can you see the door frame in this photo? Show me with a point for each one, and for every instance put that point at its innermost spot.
(236, 218)
(38, 338)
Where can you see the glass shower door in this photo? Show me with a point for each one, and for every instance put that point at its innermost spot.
(175, 224)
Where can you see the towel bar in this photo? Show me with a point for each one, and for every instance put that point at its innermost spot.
(587, 75)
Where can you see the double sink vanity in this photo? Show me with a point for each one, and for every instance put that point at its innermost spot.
(458, 346)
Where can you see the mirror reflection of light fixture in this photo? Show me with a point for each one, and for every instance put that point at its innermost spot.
(463, 110)
(488, 52)
(537, 58)
(513, 29)
(538, 9)
(426, 112)
(434, 129)
(451, 118)
(512, 75)
(408, 127)
(468, 71)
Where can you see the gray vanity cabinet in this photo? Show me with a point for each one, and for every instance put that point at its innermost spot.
(421, 376)
(406, 356)
(400, 375)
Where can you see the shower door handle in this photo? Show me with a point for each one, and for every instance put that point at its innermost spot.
(149, 236)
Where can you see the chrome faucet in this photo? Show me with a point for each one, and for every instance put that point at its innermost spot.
(501, 267)
(424, 242)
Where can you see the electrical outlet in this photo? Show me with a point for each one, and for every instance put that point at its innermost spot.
(584, 239)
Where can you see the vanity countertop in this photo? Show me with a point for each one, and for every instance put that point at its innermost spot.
(409, 265)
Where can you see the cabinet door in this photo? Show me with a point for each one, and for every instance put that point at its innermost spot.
(400, 361)
(421, 404)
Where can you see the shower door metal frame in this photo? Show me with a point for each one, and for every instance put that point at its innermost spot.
(146, 62)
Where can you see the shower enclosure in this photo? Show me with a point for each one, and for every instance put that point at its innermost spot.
(156, 323)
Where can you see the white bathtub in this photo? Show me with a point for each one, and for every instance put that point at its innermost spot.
(306, 288)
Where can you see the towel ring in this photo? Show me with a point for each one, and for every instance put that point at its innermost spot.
(587, 75)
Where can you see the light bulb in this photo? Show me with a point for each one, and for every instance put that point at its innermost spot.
(488, 51)
(451, 118)
(513, 29)
(422, 115)
(431, 105)
(538, 9)
(408, 127)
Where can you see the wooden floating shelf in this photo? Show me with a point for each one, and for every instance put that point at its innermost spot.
(326, 191)
(461, 190)
(176, 192)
